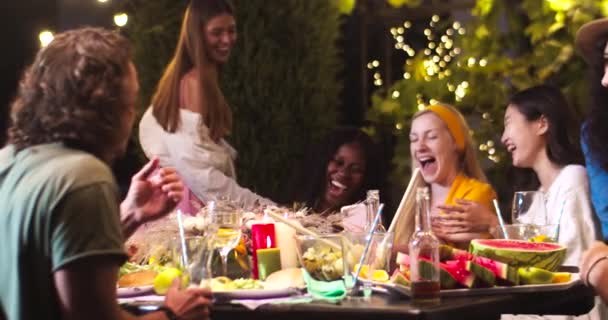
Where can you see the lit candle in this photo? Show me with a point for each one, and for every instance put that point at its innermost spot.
(262, 237)
(269, 261)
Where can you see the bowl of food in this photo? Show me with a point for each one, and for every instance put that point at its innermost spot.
(322, 256)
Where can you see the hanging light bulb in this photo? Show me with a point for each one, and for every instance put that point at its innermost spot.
(121, 19)
(45, 37)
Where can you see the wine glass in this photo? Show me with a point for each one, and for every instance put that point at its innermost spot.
(225, 219)
(529, 208)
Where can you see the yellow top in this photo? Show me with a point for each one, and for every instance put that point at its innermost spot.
(471, 189)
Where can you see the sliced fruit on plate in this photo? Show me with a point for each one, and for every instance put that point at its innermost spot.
(364, 273)
(163, 280)
(400, 278)
(533, 275)
(380, 276)
(505, 274)
(447, 280)
(519, 253)
(480, 272)
(464, 277)
(403, 259)
(561, 277)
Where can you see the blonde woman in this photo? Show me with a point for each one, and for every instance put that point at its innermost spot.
(461, 199)
(189, 117)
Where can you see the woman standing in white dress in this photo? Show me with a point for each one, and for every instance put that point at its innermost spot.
(189, 117)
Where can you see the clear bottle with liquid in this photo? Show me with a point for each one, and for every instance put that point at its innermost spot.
(372, 203)
(424, 253)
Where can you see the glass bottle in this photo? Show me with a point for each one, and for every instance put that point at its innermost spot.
(372, 203)
(424, 253)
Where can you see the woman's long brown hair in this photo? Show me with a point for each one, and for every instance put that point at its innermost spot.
(190, 53)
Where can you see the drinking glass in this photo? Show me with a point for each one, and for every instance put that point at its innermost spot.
(191, 254)
(377, 258)
(225, 219)
(529, 208)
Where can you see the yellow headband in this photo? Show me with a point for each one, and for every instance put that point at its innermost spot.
(452, 122)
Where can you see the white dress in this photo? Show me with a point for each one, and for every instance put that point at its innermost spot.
(577, 229)
(206, 167)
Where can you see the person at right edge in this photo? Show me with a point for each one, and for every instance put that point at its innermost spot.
(591, 44)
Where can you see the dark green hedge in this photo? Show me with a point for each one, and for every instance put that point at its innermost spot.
(281, 80)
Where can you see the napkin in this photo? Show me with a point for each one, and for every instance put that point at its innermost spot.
(332, 291)
(355, 217)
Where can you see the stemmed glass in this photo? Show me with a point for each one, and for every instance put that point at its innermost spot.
(529, 208)
(225, 219)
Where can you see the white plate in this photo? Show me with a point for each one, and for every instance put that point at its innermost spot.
(134, 291)
(254, 293)
(399, 289)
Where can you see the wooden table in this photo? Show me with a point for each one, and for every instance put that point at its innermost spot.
(575, 300)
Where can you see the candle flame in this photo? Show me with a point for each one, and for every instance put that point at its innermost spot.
(268, 242)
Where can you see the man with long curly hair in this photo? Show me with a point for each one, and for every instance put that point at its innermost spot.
(63, 228)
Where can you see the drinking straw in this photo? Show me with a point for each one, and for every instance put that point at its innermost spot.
(370, 236)
(405, 206)
(500, 221)
(559, 219)
(182, 237)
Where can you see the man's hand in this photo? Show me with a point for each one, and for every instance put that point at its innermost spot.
(153, 193)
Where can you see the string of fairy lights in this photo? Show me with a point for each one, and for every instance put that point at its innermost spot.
(120, 20)
(439, 52)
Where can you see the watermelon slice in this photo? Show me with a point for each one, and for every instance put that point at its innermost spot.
(504, 274)
(446, 280)
(486, 275)
(519, 253)
(400, 278)
(403, 259)
(452, 275)
(450, 253)
(458, 271)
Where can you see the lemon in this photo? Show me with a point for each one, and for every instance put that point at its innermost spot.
(364, 273)
(560, 277)
(539, 238)
(380, 276)
(164, 279)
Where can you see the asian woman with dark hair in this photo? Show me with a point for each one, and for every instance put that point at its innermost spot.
(541, 133)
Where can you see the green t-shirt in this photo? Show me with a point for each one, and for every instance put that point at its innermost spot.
(59, 205)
